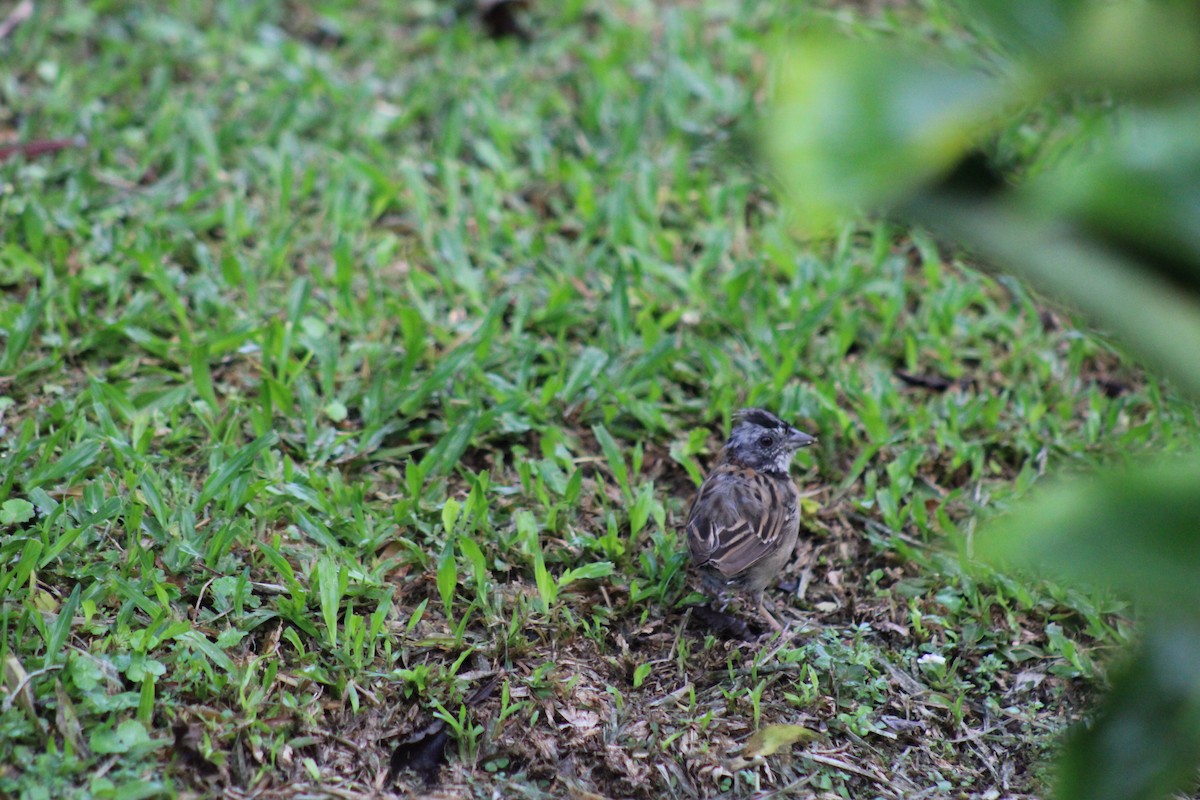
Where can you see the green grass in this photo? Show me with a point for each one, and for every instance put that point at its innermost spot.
(357, 372)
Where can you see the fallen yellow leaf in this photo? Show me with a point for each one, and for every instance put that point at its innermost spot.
(773, 738)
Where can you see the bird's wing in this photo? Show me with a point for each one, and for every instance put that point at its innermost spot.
(736, 520)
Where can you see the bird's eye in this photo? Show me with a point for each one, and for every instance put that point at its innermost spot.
(767, 441)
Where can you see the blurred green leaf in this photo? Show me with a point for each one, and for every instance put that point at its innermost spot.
(1145, 741)
(1152, 315)
(1136, 529)
(1134, 48)
(1139, 190)
(857, 125)
(1141, 50)
(1031, 26)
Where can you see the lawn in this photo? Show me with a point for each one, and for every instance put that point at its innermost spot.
(358, 367)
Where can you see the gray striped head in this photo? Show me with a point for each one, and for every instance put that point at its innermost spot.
(762, 441)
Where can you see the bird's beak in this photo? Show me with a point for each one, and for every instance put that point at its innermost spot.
(798, 439)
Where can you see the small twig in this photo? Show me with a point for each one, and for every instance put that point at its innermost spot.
(484, 691)
(745, 672)
(331, 791)
(200, 597)
(907, 682)
(350, 743)
(40, 147)
(29, 676)
(829, 761)
(675, 695)
(884, 530)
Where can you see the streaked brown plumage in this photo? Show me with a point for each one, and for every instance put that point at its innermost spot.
(742, 526)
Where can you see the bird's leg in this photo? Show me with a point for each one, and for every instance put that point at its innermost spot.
(766, 615)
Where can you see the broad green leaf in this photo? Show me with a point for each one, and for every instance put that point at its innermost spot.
(639, 512)
(43, 502)
(450, 513)
(598, 569)
(63, 624)
(150, 491)
(547, 588)
(447, 577)
(71, 463)
(574, 486)
(14, 512)
(587, 367)
(146, 701)
(214, 654)
(1145, 741)
(202, 376)
(527, 531)
(127, 736)
(616, 461)
(640, 673)
(336, 410)
(283, 568)
(416, 616)
(329, 590)
(19, 575)
(478, 563)
(1136, 529)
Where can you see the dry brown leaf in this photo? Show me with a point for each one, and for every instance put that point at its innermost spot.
(583, 721)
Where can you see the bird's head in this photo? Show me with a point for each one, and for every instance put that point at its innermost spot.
(762, 441)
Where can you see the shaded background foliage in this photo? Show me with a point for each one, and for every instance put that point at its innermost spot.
(1111, 226)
